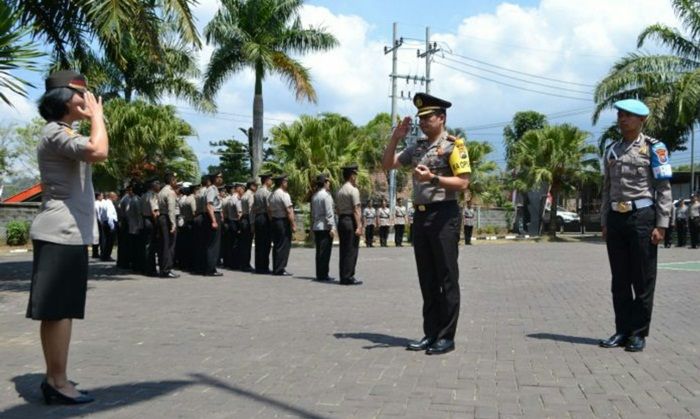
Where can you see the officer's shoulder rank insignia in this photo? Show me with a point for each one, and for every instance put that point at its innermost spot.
(644, 150)
(69, 131)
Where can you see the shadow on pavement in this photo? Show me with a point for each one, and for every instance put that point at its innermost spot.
(564, 338)
(381, 340)
(106, 398)
(16, 276)
(286, 407)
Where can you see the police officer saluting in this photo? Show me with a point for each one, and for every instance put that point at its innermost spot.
(636, 206)
(438, 176)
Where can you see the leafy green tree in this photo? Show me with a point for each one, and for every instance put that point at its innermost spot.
(7, 155)
(234, 159)
(15, 53)
(668, 83)
(26, 139)
(145, 140)
(556, 155)
(314, 145)
(522, 123)
(261, 35)
(71, 27)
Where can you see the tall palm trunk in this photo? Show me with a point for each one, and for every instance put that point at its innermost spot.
(257, 123)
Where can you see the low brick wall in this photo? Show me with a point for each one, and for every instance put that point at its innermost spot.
(16, 212)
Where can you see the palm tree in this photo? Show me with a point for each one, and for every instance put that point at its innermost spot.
(145, 140)
(70, 26)
(556, 155)
(669, 83)
(314, 145)
(260, 34)
(14, 54)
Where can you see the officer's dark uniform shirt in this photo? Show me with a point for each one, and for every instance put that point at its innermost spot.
(436, 157)
(629, 177)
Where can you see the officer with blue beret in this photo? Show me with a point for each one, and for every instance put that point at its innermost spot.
(441, 170)
(635, 212)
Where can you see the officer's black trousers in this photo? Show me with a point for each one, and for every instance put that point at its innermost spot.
(383, 235)
(324, 246)
(282, 244)
(468, 234)
(633, 264)
(234, 228)
(150, 246)
(369, 235)
(166, 253)
(107, 240)
(681, 231)
(410, 233)
(668, 238)
(123, 254)
(398, 234)
(135, 249)
(349, 246)
(226, 238)
(435, 245)
(199, 251)
(694, 232)
(212, 237)
(246, 243)
(263, 243)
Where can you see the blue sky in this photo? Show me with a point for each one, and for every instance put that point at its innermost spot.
(566, 45)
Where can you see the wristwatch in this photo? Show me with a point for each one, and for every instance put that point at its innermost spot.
(435, 180)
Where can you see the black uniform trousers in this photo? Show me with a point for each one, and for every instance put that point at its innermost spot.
(410, 233)
(96, 247)
(694, 227)
(107, 240)
(123, 253)
(398, 234)
(234, 245)
(324, 246)
(246, 243)
(184, 247)
(199, 252)
(212, 238)
(150, 246)
(468, 230)
(135, 249)
(166, 244)
(263, 243)
(681, 231)
(436, 247)
(226, 238)
(668, 237)
(632, 259)
(383, 235)
(282, 244)
(369, 235)
(349, 246)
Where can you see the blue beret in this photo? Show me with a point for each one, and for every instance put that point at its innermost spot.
(633, 106)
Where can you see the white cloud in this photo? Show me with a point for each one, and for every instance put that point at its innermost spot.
(22, 111)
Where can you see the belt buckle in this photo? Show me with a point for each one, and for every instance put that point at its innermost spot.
(624, 207)
(421, 208)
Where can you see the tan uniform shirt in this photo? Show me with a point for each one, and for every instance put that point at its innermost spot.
(628, 177)
(384, 215)
(260, 200)
(279, 202)
(167, 203)
(347, 198)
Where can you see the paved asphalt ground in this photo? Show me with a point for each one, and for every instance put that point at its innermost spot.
(255, 346)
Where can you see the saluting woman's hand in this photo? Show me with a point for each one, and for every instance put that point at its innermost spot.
(92, 108)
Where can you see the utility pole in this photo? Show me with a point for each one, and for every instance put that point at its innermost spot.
(429, 51)
(395, 45)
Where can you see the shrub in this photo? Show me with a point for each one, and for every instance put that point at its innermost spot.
(17, 233)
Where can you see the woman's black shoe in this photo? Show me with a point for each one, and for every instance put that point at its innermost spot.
(53, 396)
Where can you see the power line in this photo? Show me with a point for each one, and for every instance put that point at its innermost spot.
(512, 85)
(523, 73)
(554, 115)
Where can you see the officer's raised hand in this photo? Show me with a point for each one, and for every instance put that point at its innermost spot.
(422, 173)
(402, 129)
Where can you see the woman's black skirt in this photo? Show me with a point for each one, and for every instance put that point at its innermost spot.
(59, 281)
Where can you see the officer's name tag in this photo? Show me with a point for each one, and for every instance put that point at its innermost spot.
(660, 164)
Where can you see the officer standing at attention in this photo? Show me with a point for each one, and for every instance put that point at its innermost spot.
(349, 226)
(399, 222)
(469, 216)
(681, 223)
(150, 225)
(438, 176)
(369, 215)
(636, 206)
(263, 238)
(283, 225)
(694, 221)
(167, 226)
(247, 224)
(235, 214)
(384, 222)
(323, 226)
(213, 224)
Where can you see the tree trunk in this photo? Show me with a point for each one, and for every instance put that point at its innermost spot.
(553, 211)
(257, 123)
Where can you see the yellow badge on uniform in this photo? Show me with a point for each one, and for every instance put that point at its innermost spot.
(459, 159)
(644, 150)
(69, 131)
